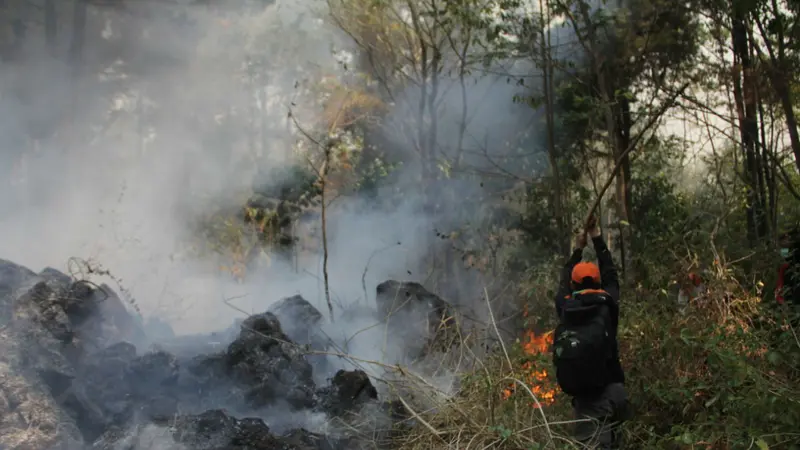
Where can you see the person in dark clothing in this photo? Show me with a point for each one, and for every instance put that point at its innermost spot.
(585, 348)
(787, 290)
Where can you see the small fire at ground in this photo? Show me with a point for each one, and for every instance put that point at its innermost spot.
(535, 377)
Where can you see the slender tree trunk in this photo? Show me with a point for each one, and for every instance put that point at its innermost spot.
(324, 218)
(557, 195)
(782, 90)
(433, 129)
(765, 169)
(753, 99)
(779, 77)
(612, 118)
(424, 73)
(624, 124)
(748, 124)
(773, 178)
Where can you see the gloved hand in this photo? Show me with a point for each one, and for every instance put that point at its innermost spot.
(581, 240)
(592, 227)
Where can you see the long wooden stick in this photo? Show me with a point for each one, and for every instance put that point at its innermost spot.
(630, 148)
(605, 187)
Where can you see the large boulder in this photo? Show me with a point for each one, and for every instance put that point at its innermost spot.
(267, 361)
(128, 388)
(13, 278)
(414, 315)
(76, 311)
(301, 321)
(215, 429)
(59, 387)
(38, 348)
(30, 416)
(394, 296)
(261, 367)
(347, 393)
(70, 375)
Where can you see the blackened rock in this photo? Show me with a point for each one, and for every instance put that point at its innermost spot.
(112, 439)
(89, 417)
(153, 380)
(349, 390)
(121, 351)
(300, 321)
(33, 371)
(211, 429)
(254, 433)
(160, 410)
(46, 307)
(105, 373)
(414, 315)
(215, 429)
(152, 373)
(13, 277)
(393, 296)
(113, 320)
(57, 382)
(297, 309)
(73, 311)
(301, 439)
(272, 367)
(51, 274)
(123, 384)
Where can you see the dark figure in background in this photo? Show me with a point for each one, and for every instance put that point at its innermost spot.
(585, 348)
(787, 290)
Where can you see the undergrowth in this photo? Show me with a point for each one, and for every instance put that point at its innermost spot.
(721, 374)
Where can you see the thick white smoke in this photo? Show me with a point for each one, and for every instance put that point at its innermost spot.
(171, 112)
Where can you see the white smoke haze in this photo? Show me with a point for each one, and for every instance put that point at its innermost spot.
(132, 162)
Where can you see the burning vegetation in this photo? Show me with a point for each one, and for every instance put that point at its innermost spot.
(535, 376)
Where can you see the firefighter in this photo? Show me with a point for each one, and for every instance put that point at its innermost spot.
(585, 348)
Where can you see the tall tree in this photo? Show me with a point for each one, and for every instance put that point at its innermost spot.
(637, 57)
(779, 28)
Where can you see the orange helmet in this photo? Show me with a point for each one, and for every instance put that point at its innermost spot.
(583, 270)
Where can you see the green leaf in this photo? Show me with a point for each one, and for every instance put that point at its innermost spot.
(774, 358)
(761, 444)
(712, 401)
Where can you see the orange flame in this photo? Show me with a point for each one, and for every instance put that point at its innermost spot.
(536, 379)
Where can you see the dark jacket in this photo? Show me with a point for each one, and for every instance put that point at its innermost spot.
(788, 288)
(609, 283)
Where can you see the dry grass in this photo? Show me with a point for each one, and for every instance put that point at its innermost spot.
(480, 416)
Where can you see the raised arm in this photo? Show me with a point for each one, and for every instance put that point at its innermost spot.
(608, 272)
(564, 288)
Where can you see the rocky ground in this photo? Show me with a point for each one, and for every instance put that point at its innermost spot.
(72, 378)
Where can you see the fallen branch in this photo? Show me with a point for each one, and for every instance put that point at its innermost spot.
(494, 325)
(538, 405)
(323, 182)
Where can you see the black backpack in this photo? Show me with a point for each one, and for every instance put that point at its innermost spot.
(583, 345)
